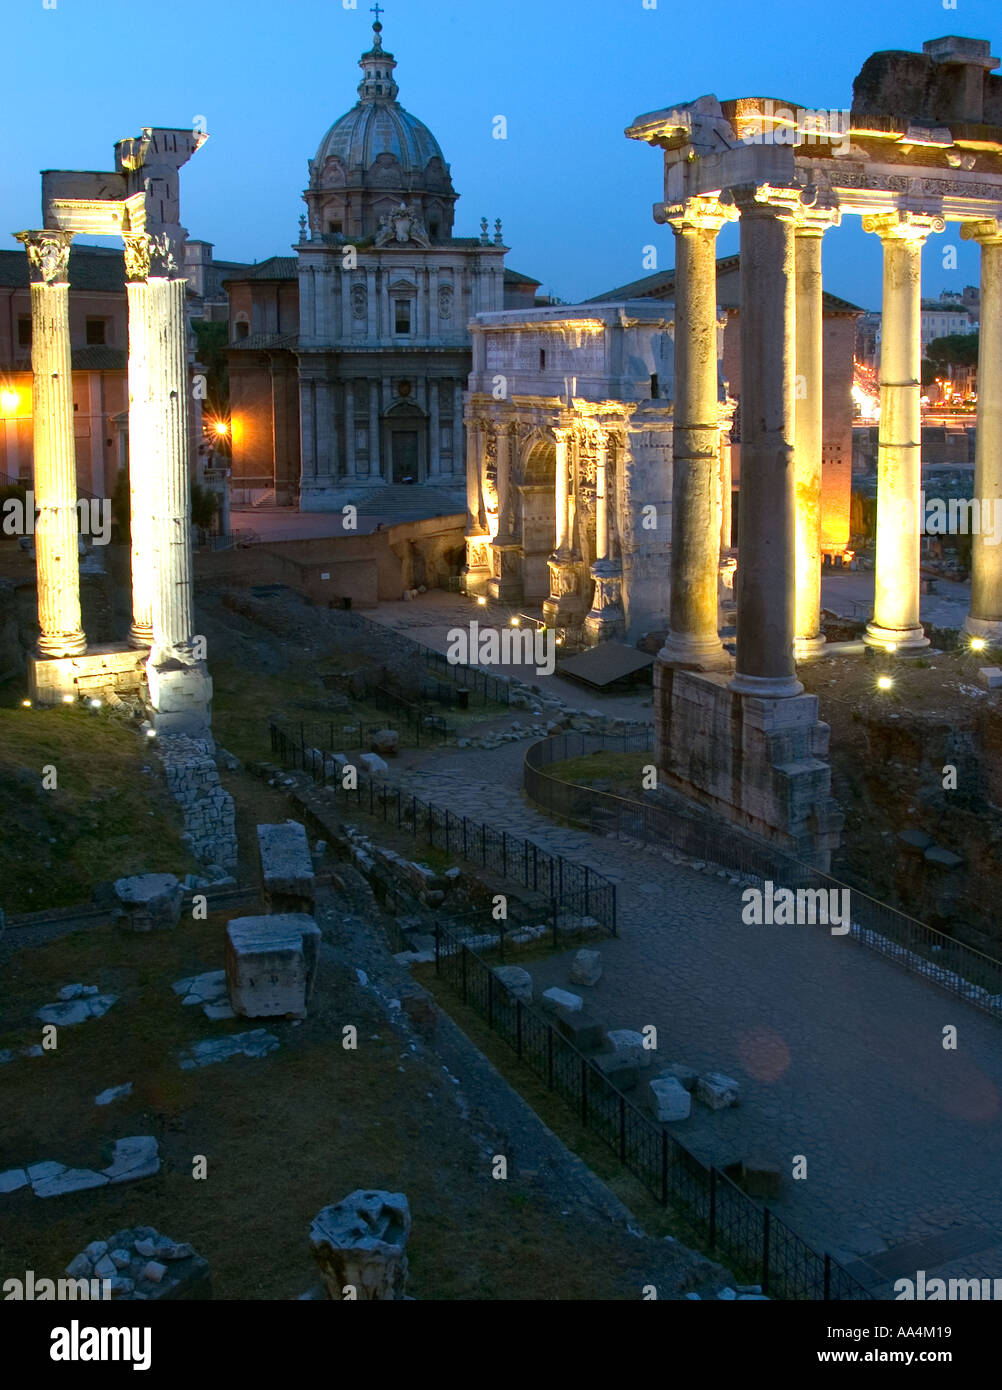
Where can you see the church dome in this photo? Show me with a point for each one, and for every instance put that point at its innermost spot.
(372, 128)
(375, 157)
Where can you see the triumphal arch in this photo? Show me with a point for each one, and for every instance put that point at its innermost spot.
(918, 154)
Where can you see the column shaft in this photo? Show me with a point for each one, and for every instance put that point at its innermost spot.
(349, 431)
(503, 439)
(375, 443)
(765, 576)
(55, 485)
(808, 441)
(985, 618)
(140, 501)
(895, 623)
(601, 504)
(693, 639)
(561, 495)
(434, 428)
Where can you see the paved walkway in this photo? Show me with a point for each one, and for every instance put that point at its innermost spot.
(849, 593)
(838, 1052)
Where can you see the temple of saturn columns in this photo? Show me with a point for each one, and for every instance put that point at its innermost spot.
(138, 201)
(920, 149)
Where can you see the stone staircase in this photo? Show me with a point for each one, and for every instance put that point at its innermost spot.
(404, 502)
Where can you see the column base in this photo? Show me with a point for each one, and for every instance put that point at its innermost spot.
(505, 583)
(687, 653)
(606, 620)
(181, 698)
(565, 606)
(68, 644)
(140, 635)
(477, 570)
(766, 687)
(898, 641)
(988, 628)
(804, 648)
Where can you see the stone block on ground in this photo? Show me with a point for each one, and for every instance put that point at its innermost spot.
(581, 1028)
(586, 967)
(69, 1180)
(373, 764)
(149, 902)
(133, 1158)
(717, 1090)
(360, 1243)
(141, 1264)
(668, 1099)
(287, 877)
(626, 1042)
(385, 741)
(516, 980)
(271, 964)
(554, 999)
(990, 677)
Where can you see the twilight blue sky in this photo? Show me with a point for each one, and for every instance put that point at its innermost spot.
(575, 196)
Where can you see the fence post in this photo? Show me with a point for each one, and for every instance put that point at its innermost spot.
(828, 1277)
(483, 844)
(535, 866)
(553, 914)
(463, 948)
(584, 1092)
(431, 824)
(464, 838)
(713, 1206)
(448, 813)
(504, 854)
(518, 1031)
(766, 1214)
(622, 1128)
(399, 794)
(587, 884)
(490, 998)
(664, 1167)
(371, 789)
(549, 1055)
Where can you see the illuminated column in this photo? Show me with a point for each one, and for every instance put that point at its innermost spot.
(375, 443)
(503, 440)
(985, 617)
(55, 486)
(693, 640)
(137, 265)
(765, 575)
(809, 638)
(179, 683)
(474, 500)
(506, 576)
(564, 603)
(605, 619)
(895, 624)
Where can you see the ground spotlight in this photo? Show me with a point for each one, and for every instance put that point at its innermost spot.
(884, 682)
(977, 644)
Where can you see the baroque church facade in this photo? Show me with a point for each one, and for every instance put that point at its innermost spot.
(349, 359)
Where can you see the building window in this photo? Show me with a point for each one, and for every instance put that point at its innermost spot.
(542, 359)
(243, 330)
(24, 330)
(654, 386)
(402, 315)
(335, 227)
(96, 331)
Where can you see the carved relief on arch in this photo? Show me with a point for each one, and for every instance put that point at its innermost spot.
(333, 174)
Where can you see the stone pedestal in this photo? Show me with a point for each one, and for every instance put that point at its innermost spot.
(505, 583)
(271, 964)
(895, 625)
(564, 606)
(55, 485)
(985, 617)
(112, 666)
(757, 762)
(606, 619)
(477, 571)
(288, 882)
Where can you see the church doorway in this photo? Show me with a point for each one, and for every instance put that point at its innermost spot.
(404, 461)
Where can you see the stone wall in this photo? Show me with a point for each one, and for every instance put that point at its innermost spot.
(193, 781)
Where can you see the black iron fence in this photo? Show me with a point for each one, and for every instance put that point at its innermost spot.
(483, 688)
(574, 889)
(950, 963)
(735, 1227)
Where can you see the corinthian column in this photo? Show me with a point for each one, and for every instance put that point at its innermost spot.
(985, 617)
(55, 486)
(137, 267)
(765, 576)
(563, 606)
(693, 639)
(808, 414)
(895, 625)
(605, 619)
(180, 688)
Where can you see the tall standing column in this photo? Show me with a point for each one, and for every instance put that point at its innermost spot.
(434, 428)
(807, 442)
(55, 484)
(895, 624)
(985, 617)
(561, 496)
(179, 683)
(605, 618)
(693, 641)
(765, 576)
(505, 583)
(564, 605)
(137, 264)
(375, 443)
(349, 430)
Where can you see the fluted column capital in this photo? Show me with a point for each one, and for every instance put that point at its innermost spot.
(697, 214)
(987, 231)
(785, 203)
(48, 255)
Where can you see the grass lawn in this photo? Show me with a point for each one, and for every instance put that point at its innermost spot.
(622, 771)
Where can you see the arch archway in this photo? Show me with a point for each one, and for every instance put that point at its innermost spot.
(536, 518)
